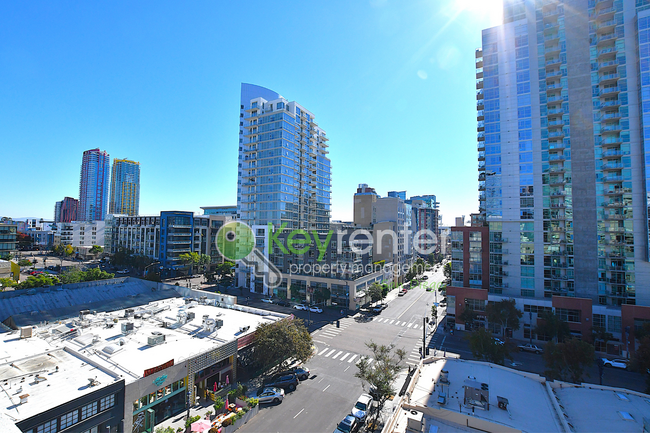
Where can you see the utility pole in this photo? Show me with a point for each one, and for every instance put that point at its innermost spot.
(530, 333)
(424, 336)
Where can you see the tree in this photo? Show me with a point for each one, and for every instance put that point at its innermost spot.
(37, 281)
(600, 334)
(203, 262)
(486, 348)
(375, 292)
(73, 275)
(24, 241)
(642, 359)
(505, 313)
(6, 282)
(322, 294)
(567, 361)
(468, 317)
(447, 273)
(278, 342)
(380, 374)
(96, 249)
(225, 272)
(24, 262)
(195, 259)
(434, 313)
(553, 327)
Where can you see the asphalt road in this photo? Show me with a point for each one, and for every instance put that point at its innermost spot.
(327, 397)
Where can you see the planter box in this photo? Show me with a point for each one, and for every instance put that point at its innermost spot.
(243, 420)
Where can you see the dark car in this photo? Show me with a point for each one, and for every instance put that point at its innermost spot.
(302, 372)
(378, 308)
(288, 381)
(282, 303)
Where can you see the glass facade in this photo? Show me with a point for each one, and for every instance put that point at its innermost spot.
(284, 171)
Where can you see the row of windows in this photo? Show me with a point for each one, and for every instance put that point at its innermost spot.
(73, 417)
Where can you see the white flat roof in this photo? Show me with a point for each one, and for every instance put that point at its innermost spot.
(31, 357)
(533, 404)
(96, 348)
(129, 354)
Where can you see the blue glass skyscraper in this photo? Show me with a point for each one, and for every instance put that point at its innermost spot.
(284, 174)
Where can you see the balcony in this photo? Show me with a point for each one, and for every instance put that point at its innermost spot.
(553, 62)
(610, 103)
(610, 129)
(607, 91)
(480, 115)
(554, 99)
(610, 64)
(479, 84)
(605, 38)
(605, 26)
(610, 117)
(611, 141)
(607, 52)
(614, 154)
(551, 37)
(558, 193)
(614, 191)
(555, 112)
(608, 79)
(552, 87)
(614, 216)
(556, 145)
(612, 166)
(556, 169)
(556, 134)
(553, 74)
(556, 158)
(613, 204)
(612, 179)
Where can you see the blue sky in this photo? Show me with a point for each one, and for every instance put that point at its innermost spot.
(392, 83)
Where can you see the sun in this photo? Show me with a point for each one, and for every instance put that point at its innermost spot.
(491, 10)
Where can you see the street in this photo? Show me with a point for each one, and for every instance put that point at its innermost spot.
(328, 395)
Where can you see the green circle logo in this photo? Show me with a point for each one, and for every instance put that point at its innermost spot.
(235, 240)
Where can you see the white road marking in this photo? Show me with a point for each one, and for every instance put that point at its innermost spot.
(326, 336)
(326, 388)
(391, 322)
(323, 351)
(410, 324)
(347, 368)
(328, 355)
(350, 360)
(345, 356)
(403, 323)
(337, 355)
(299, 413)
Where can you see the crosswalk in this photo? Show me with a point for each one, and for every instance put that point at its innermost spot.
(330, 353)
(330, 331)
(388, 321)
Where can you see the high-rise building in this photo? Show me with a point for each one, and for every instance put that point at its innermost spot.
(125, 188)
(563, 183)
(93, 185)
(284, 172)
(66, 210)
(398, 194)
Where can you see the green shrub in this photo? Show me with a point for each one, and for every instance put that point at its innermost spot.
(252, 402)
(219, 404)
(191, 420)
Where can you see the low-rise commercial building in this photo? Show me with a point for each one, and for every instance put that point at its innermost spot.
(8, 234)
(454, 395)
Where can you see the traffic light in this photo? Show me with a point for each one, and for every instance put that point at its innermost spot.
(420, 349)
(338, 323)
(427, 351)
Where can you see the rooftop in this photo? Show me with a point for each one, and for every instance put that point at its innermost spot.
(533, 404)
(110, 346)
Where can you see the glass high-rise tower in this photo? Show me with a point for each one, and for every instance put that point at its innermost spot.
(93, 185)
(284, 173)
(125, 187)
(563, 88)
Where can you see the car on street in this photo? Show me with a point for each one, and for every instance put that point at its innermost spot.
(348, 425)
(282, 303)
(267, 300)
(300, 371)
(122, 271)
(362, 407)
(402, 292)
(300, 307)
(270, 395)
(379, 308)
(286, 381)
(498, 341)
(615, 363)
(530, 348)
(315, 309)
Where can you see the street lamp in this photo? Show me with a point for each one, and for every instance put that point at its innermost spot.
(144, 271)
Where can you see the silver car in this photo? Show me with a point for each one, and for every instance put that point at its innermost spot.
(271, 395)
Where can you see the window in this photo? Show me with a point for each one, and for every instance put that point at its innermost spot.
(599, 321)
(614, 324)
(69, 419)
(89, 410)
(48, 427)
(568, 315)
(527, 293)
(106, 402)
(475, 304)
(92, 430)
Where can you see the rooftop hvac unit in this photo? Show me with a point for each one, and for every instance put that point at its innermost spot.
(154, 340)
(191, 315)
(414, 421)
(219, 323)
(84, 313)
(26, 332)
(128, 312)
(127, 327)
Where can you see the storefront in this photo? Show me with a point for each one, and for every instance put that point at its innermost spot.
(160, 394)
(214, 378)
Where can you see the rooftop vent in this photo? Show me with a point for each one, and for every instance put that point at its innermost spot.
(127, 327)
(111, 349)
(23, 398)
(155, 340)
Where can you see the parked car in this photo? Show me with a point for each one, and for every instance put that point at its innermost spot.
(287, 381)
(349, 425)
(425, 277)
(530, 348)
(300, 371)
(282, 303)
(267, 300)
(402, 292)
(362, 407)
(616, 363)
(270, 395)
(123, 271)
(499, 341)
(315, 309)
(379, 308)
(300, 307)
